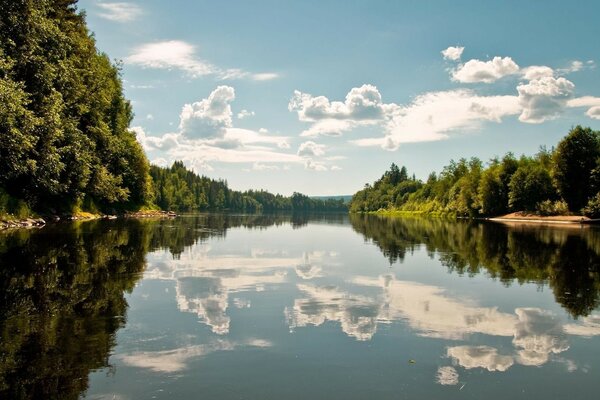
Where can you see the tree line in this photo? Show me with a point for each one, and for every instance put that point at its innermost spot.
(177, 188)
(65, 143)
(560, 181)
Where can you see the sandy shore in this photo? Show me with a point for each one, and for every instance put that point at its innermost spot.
(520, 217)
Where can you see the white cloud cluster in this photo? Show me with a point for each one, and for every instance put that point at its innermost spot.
(245, 114)
(311, 149)
(541, 95)
(206, 134)
(544, 98)
(209, 117)
(119, 12)
(485, 71)
(453, 53)
(362, 106)
(177, 54)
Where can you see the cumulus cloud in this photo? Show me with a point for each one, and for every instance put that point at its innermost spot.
(311, 149)
(537, 72)
(362, 103)
(433, 116)
(209, 117)
(474, 71)
(245, 114)
(177, 54)
(544, 98)
(362, 106)
(206, 134)
(119, 12)
(453, 53)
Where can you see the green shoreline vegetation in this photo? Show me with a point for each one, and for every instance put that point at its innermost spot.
(65, 145)
(561, 181)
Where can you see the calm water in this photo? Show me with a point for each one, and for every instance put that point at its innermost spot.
(337, 307)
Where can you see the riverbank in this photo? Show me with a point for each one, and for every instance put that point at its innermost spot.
(10, 223)
(512, 218)
(526, 218)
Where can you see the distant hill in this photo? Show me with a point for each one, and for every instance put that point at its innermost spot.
(345, 197)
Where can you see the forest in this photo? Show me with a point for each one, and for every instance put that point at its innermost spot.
(564, 180)
(177, 188)
(66, 145)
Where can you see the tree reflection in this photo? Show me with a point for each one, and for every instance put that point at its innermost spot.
(565, 258)
(62, 292)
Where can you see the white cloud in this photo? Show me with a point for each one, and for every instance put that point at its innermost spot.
(336, 168)
(453, 53)
(177, 54)
(313, 165)
(593, 112)
(311, 149)
(165, 142)
(474, 71)
(362, 106)
(206, 134)
(209, 117)
(150, 117)
(362, 103)
(264, 167)
(544, 98)
(587, 101)
(536, 72)
(328, 127)
(264, 76)
(119, 12)
(576, 66)
(245, 114)
(433, 116)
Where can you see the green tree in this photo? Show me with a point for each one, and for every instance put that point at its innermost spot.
(574, 160)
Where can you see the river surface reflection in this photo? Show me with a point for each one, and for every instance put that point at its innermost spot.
(296, 307)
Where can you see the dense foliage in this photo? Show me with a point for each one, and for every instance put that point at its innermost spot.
(64, 137)
(177, 188)
(557, 181)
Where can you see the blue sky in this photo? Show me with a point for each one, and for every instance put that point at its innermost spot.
(322, 96)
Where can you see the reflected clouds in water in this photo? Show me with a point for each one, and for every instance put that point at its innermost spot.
(176, 360)
(205, 280)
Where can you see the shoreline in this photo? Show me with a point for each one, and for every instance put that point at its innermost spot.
(516, 218)
(29, 223)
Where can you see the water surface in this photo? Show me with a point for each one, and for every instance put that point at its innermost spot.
(299, 307)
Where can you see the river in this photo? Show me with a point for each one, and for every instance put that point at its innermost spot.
(222, 306)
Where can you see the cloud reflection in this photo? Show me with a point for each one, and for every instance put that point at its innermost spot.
(170, 361)
(205, 280)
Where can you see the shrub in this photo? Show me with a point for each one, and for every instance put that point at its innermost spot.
(548, 207)
(592, 209)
